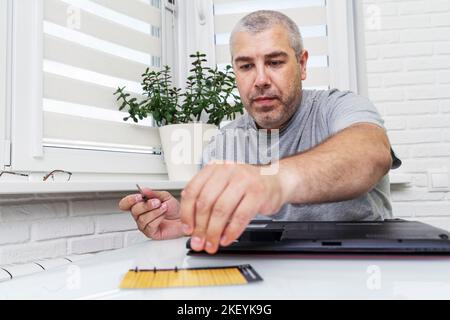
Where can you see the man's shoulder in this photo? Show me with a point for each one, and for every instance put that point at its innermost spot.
(241, 123)
(325, 96)
(334, 99)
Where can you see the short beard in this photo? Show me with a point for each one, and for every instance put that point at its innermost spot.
(290, 106)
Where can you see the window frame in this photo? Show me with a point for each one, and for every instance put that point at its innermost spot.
(169, 46)
(28, 153)
(5, 157)
(342, 42)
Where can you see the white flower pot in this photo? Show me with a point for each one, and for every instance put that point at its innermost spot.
(183, 145)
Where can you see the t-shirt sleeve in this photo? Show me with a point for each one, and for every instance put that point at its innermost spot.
(344, 109)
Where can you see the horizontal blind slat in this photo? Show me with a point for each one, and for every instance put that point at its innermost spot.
(80, 92)
(75, 55)
(302, 16)
(70, 128)
(317, 77)
(56, 12)
(315, 46)
(226, 6)
(134, 8)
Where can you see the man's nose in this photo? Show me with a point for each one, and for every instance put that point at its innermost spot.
(262, 80)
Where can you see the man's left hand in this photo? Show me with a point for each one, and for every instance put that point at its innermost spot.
(222, 199)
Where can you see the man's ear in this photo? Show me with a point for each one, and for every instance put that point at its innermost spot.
(303, 61)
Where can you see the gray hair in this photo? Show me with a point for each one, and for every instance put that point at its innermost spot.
(262, 20)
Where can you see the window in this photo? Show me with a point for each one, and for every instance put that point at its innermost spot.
(69, 56)
(65, 114)
(4, 73)
(324, 25)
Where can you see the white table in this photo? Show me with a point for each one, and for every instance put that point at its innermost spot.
(285, 277)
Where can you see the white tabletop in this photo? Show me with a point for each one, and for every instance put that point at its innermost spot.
(285, 277)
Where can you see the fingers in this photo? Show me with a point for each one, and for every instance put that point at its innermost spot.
(222, 211)
(241, 217)
(144, 207)
(149, 222)
(189, 198)
(126, 203)
(220, 202)
(129, 201)
(161, 195)
(158, 217)
(209, 194)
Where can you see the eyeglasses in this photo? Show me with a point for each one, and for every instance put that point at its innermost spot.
(55, 175)
(14, 173)
(58, 175)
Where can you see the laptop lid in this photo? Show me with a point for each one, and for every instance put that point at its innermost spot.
(390, 236)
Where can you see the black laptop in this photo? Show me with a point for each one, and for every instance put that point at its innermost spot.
(389, 236)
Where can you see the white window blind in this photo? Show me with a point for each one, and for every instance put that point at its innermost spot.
(310, 15)
(69, 57)
(91, 47)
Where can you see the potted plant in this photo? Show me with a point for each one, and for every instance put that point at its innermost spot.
(208, 91)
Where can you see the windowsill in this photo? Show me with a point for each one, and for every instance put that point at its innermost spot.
(117, 186)
(87, 186)
(400, 179)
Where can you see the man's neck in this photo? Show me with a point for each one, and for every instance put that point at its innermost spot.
(281, 128)
(285, 123)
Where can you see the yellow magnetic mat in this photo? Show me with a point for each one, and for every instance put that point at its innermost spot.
(189, 277)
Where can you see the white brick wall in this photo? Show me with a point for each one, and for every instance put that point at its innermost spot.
(14, 233)
(95, 243)
(32, 251)
(34, 227)
(62, 228)
(408, 64)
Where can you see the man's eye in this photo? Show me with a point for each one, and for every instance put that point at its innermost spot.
(245, 66)
(275, 63)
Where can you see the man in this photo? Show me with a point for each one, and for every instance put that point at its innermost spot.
(334, 151)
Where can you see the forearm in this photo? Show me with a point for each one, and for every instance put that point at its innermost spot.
(344, 167)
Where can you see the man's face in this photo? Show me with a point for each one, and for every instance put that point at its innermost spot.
(268, 75)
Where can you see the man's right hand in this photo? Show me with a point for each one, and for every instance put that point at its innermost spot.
(159, 217)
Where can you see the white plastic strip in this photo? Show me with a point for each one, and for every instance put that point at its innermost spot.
(112, 15)
(133, 8)
(236, 6)
(69, 53)
(90, 76)
(81, 92)
(65, 16)
(310, 16)
(306, 31)
(99, 44)
(90, 112)
(73, 128)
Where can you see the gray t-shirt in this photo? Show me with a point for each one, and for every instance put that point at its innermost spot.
(321, 115)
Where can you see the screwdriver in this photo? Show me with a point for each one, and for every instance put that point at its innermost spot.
(144, 197)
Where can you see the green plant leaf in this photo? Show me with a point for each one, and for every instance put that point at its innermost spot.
(207, 91)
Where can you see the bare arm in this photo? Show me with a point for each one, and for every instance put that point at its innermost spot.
(345, 166)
